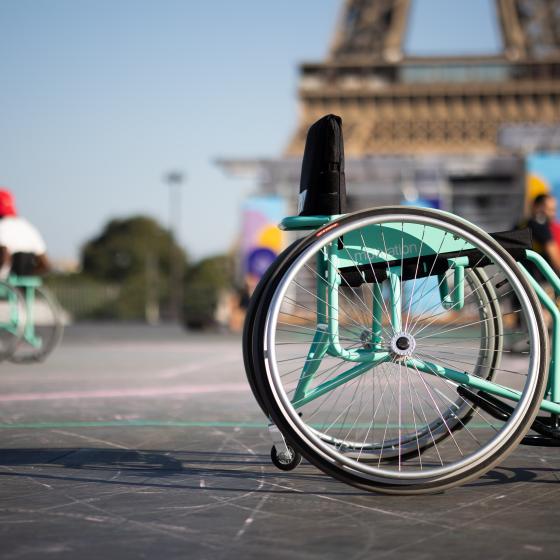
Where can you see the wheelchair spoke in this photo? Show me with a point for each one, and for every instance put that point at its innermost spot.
(444, 279)
(328, 304)
(464, 299)
(359, 272)
(411, 298)
(366, 322)
(474, 323)
(430, 272)
(473, 364)
(384, 305)
(462, 399)
(437, 408)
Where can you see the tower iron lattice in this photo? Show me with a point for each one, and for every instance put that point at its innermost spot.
(392, 103)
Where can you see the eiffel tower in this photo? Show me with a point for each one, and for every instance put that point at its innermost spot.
(449, 130)
(395, 104)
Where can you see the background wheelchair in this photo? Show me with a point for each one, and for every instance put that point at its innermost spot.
(30, 317)
(380, 345)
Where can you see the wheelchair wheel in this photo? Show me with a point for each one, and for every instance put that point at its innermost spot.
(12, 319)
(380, 409)
(43, 329)
(456, 415)
(253, 311)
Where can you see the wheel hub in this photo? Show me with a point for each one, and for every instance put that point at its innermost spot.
(402, 345)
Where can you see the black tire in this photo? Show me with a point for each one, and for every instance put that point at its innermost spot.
(253, 311)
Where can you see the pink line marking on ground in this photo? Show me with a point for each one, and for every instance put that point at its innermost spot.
(129, 392)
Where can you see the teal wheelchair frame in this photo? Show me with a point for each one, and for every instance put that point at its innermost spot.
(21, 294)
(326, 339)
(383, 258)
(369, 347)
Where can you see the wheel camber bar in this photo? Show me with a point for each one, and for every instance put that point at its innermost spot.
(464, 378)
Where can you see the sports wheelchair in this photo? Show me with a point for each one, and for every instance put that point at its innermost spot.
(30, 317)
(400, 349)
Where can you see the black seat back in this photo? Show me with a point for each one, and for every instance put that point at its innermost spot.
(322, 189)
(24, 264)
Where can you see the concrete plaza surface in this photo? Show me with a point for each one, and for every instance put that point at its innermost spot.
(136, 442)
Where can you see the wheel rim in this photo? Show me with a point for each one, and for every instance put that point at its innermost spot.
(316, 437)
(43, 329)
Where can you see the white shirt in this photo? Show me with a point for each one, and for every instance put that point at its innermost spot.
(19, 236)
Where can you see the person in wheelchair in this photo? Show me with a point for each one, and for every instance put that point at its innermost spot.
(23, 251)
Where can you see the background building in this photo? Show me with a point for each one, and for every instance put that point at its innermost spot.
(447, 132)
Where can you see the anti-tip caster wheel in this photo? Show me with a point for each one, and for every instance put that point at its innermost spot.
(285, 461)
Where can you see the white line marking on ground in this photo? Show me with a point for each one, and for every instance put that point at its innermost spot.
(91, 439)
(251, 517)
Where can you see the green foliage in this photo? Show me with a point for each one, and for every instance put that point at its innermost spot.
(128, 265)
(204, 284)
(136, 255)
(120, 252)
(83, 297)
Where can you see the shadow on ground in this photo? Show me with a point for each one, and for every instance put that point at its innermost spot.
(184, 469)
(177, 469)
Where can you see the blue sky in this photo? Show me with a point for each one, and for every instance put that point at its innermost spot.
(100, 98)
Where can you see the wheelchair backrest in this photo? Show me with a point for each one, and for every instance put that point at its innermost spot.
(322, 188)
(24, 264)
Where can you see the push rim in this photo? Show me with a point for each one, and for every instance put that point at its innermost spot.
(310, 436)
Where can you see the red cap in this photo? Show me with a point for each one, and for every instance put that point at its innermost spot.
(7, 204)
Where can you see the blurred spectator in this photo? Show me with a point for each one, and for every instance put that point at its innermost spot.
(244, 294)
(541, 224)
(555, 228)
(22, 249)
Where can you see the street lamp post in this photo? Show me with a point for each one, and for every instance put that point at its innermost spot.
(175, 180)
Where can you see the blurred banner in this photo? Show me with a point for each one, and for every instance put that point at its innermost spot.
(261, 240)
(543, 174)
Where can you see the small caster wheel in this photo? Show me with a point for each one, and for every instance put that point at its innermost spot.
(285, 461)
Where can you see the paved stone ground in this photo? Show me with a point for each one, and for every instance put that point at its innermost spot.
(131, 442)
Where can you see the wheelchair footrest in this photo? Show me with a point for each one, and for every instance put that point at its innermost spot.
(546, 427)
(541, 441)
(495, 407)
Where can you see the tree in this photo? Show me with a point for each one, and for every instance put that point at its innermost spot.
(136, 254)
(205, 283)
